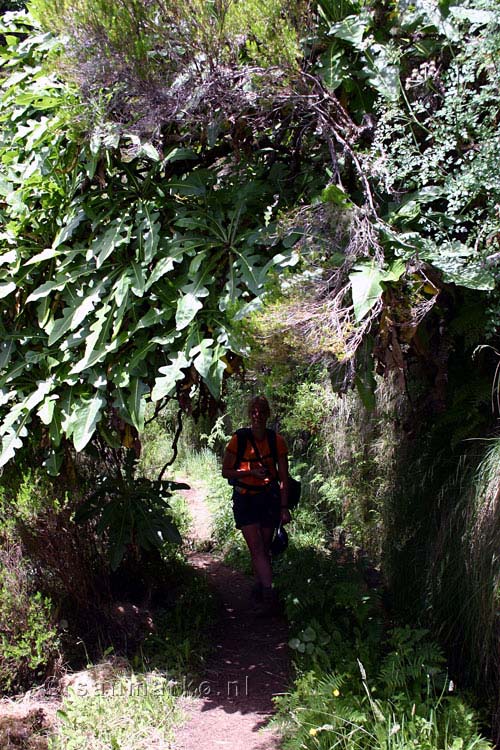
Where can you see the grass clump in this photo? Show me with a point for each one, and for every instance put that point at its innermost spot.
(134, 712)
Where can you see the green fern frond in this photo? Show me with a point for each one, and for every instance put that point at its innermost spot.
(411, 663)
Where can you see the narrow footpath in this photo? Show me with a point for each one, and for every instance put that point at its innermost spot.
(250, 664)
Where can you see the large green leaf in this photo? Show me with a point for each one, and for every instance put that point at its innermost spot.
(13, 427)
(164, 266)
(334, 194)
(95, 348)
(138, 281)
(75, 218)
(54, 461)
(187, 308)
(11, 440)
(6, 288)
(382, 71)
(45, 289)
(251, 274)
(149, 234)
(203, 355)
(28, 403)
(121, 295)
(366, 285)
(105, 244)
(73, 317)
(214, 377)
(351, 29)
(46, 410)
(136, 402)
(143, 347)
(165, 385)
(86, 416)
(194, 184)
(366, 288)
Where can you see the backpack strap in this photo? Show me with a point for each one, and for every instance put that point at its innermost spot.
(244, 435)
(271, 441)
(273, 446)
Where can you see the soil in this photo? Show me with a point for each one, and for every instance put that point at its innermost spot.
(232, 704)
(24, 722)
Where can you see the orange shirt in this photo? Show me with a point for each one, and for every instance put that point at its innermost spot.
(250, 461)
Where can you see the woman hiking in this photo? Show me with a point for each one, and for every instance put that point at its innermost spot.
(258, 470)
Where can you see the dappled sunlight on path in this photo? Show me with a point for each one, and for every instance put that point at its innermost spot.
(250, 665)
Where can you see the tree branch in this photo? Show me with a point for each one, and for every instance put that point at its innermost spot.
(174, 445)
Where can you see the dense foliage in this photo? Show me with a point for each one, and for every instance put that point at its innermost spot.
(127, 267)
(143, 183)
(187, 187)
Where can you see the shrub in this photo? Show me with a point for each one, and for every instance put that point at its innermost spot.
(28, 638)
(358, 685)
(408, 703)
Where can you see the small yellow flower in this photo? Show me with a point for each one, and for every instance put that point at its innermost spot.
(336, 693)
(313, 732)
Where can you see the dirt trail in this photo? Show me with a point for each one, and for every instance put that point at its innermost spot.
(250, 664)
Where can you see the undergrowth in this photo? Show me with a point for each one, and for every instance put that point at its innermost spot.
(62, 604)
(361, 680)
(183, 626)
(135, 712)
(29, 643)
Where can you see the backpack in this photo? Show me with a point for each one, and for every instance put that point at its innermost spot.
(244, 435)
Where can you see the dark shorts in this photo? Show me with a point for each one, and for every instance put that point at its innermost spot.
(262, 508)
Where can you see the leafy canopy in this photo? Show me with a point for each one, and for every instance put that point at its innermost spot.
(124, 270)
(142, 175)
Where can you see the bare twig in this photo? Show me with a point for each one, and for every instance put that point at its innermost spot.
(160, 405)
(174, 445)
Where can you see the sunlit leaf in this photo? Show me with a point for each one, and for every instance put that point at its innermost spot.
(334, 194)
(138, 282)
(104, 245)
(187, 308)
(366, 285)
(45, 289)
(6, 288)
(351, 29)
(86, 416)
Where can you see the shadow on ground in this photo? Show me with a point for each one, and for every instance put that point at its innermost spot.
(249, 666)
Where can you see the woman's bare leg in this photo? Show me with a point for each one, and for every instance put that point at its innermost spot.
(258, 542)
(267, 536)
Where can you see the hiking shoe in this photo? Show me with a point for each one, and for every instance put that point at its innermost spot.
(269, 605)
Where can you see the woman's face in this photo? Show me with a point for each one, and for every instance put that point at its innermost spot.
(258, 416)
